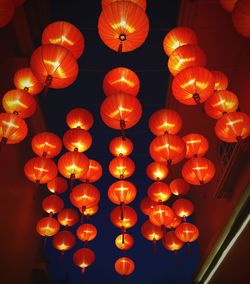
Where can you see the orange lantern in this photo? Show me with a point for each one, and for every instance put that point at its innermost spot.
(220, 80)
(86, 232)
(121, 80)
(233, 127)
(171, 242)
(161, 215)
(121, 147)
(175, 222)
(54, 66)
(167, 148)
(52, 204)
(122, 192)
(125, 244)
(187, 232)
(193, 85)
(47, 227)
(64, 241)
(6, 12)
(240, 17)
(179, 186)
(40, 170)
(141, 3)
(83, 258)
(94, 172)
(157, 171)
(68, 217)
(57, 185)
(123, 26)
(177, 37)
(121, 167)
(12, 129)
(78, 140)
(147, 204)
(24, 79)
(151, 232)
(89, 211)
(159, 191)
(66, 35)
(196, 145)
(198, 171)
(165, 121)
(80, 118)
(186, 56)
(121, 111)
(124, 266)
(220, 103)
(228, 5)
(19, 102)
(46, 144)
(183, 208)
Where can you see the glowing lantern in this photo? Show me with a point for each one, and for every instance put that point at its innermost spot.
(64, 241)
(94, 172)
(125, 244)
(157, 171)
(122, 192)
(83, 258)
(167, 148)
(147, 204)
(121, 80)
(220, 103)
(220, 80)
(151, 232)
(54, 66)
(24, 79)
(121, 147)
(179, 186)
(52, 204)
(68, 217)
(187, 232)
(46, 144)
(89, 211)
(19, 102)
(121, 111)
(171, 242)
(47, 227)
(193, 85)
(233, 127)
(141, 3)
(159, 192)
(78, 140)
(6, 12)
(66, 35)
(228, 5)
(79, 118)
(186, 56)
(123, 26)
(177, 37)
(12, 129)
(175, 222)
(124, 266)
(183, 208)
(86, 232)
(240, 17)
(57, 185)
(198, 171)
(121, 167)
(165, 121)
(161, 215)
(196, 145)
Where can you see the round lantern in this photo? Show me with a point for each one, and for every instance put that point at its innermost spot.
(150, 231)
(186, 56)
(6, 12)
(159, 191)
(86, 232)
(52, 204)
(157, 171)
(122, 192)
(121, 147)
(141, 3)
(198, 171)
(78, 140)
(94, 172)
(220, 80)
(123, 26)
(121, 167)
(124, 266)
(68, 217)
(24, 79)
(80, 118)
(64, 241)
(64, 34)
(193, 85)
(175, 222)
(83, 258)
(57, 185)
(228, 5)
(129, 220)
(165, 121)
(196, 145)
(233, 127)
(171, 242)
(126, 243)
(177, 37)
(19, 102)
(179, 186)
(46, 144)
(240, 17)
(147, 204)
(47, 227)
(89, 211)
(183, 208)
(187, 232)
(161, 215)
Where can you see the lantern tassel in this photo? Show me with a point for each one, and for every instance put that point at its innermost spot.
(164, 233)
(45, 242)
(3, 142)
(82, 277)
(123, 235)
(71, 181)
(122, 126)
(176, 257)
(120, 49)
(171, 174)
(189, 249)
(82, 216)
(61, 258)
(122, 210)
(47, 84)
(154, 242)
(35, 191)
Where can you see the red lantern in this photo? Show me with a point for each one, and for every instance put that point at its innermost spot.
(228, 5)
(52, 204)
(159, 192)
(86, 232)
(150, 231)
(79, 118)
(19, 102)
(64, 241)
(121, 167)
(46, 144)
(196, 145)
(179, 186)
(186, 56)
(175, 222)
(125, 244)
(193, 85)
(129, 220)
(220, 103)
(57, 185)
(233, 127)
(198, 171)
(89, 211)
(161, 215)
(6, 12)
(24, 79)
(124, 266)
(94, 172)
(178, 36)
(66, 35)
(122, 192)
(68, 217)
(171, 242)
(121, 147)
(183, 208)
(123, 26)
(47, 227)
(147, 204)
(78, 140)
(141, 3)
(165, 121)
(157, 171)
(220, 80)
(240, 17)
(187, 232)
(83, 258)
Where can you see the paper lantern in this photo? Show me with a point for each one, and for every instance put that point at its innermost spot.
(58, 185)
(83, 258)
(150, 231)
(240, 17)
(86, 232)
(220, 80)
(94, 172)
(78, 140)
(124, 266)
(171, 242)
(196, 145)
(6, 12)
(121, 147)
(52, 204)
(68, 217)
(174, 223)
(89, 211)
(79, 118)
(122, 192)
(63, 241)
(161, 215)
(179, 186)
(157, 171)
(125, 242)
(159, 191)
(121, 167)
(187, 232)
(147, 204)
(183, 208)
(141, 3)
(47, 227)
(129, 220)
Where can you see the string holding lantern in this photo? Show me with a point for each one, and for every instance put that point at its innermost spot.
(124, 266)
(68, 217)
(196, 145)
(179, 187)
(121, 167)
(58, 185)
(83, 258)
(141, 3)
(47, 227)
(93, 173)
(77, 140)
(183, 208)
(159, 192)
(121, 146)
(220, 80)
(80, 118)
(52, 204)
(125, 242)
